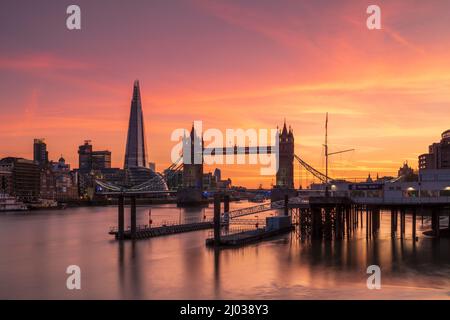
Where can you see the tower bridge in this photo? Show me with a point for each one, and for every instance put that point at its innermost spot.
(193, 164)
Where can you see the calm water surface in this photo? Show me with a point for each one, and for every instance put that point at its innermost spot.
(37, 247)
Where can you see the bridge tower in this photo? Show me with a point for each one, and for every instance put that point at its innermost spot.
(192, 192)
(285, 173)
(193, 160)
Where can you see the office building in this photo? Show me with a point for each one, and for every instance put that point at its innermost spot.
(25, 178)
(438, 156)
(40, 153)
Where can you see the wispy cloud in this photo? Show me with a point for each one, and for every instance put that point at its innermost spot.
(38, 62)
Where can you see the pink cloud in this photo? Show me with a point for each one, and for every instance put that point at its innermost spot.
(39, 62)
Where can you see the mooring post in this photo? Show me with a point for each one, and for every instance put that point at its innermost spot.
(226, 209)
(328, 223)
(361, 215)
(133, 217)
(226, 203)
(347, 218)
(367, 222)
(438, 226)
(376, 220)
(337, 220)
(402, 223)
(121, 218)
(217, 219)
(352, 222)
(316, 216)
(435, 221)
(373, 221)
(392, 223)
(286, 205)
(414, 216)
(395, 221)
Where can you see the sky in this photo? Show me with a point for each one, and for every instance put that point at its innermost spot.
(231, 64)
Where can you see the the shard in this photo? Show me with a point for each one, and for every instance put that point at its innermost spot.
(136, 150)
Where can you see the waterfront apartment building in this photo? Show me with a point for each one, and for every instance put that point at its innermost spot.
(25, 178)
(88, 159)
(85, 156)
(66, 184)
(438, 156)
(47, 184)
(101, 160)
(40, 153)
(6, 183)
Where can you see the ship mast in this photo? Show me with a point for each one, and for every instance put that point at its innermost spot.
(327, 154)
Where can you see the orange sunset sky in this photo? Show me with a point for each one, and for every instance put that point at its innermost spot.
(231, 64)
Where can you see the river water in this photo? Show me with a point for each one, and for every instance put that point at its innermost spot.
(37, 247)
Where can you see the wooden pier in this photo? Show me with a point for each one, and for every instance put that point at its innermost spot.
(246, 237)
(146, 232)
(317, 217)
(338, 217)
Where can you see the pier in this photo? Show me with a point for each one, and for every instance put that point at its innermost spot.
(316, 217)
(145, 232)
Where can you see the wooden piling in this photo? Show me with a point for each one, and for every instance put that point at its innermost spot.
(133, 217)
(316, 216)
(328, 225)
(367, 222)
(217, 219)
(348, 219)
(361, 215)
(338, 222)
(414, 216)
(286, 205)
(402, 223)
(121, 218)
(395, 221)
(392, 223)
(226, 203)
(435, 221)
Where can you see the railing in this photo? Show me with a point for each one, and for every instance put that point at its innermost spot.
(233, 230)
(256, 209)
(252, 222)
(164, 223)
(411, 200)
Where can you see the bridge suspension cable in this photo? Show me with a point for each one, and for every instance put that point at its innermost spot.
(316, 173)
(170, 171)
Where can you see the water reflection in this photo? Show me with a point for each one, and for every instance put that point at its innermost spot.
(36, 248)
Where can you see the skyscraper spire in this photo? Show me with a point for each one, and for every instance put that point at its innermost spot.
(136, 149)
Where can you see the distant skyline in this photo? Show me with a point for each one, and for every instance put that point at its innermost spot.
(231, 64)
